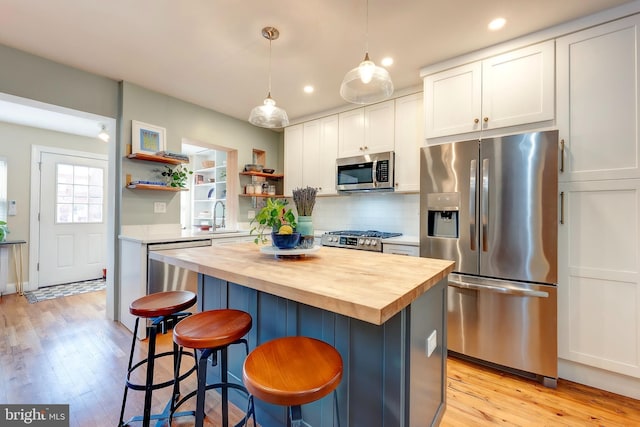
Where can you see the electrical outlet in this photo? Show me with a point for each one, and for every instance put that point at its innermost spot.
(159, 207)
(432, 343)
(251, 214)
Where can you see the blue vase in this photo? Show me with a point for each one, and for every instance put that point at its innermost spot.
(305, 228)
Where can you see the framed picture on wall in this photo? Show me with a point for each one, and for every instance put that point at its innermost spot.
(146, 138)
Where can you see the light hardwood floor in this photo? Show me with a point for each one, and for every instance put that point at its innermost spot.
(66, 351)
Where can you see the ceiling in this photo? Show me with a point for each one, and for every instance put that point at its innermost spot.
(212, 53)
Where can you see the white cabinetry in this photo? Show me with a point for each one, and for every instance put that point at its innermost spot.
(367, 130)
(209, 186)
(511, 89)
(293, 141)
(409, 129)
(394, 248)
(599, 240)
(310, 151)
(598, 101)
(320, 148)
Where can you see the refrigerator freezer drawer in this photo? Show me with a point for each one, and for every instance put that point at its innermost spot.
(505, 323)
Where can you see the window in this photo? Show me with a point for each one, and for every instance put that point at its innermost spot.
(79, 194)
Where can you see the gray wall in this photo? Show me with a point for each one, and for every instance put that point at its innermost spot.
(183, 120)
(30, 76)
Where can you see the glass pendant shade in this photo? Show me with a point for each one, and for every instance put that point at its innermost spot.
(366, 84)
(268, 115)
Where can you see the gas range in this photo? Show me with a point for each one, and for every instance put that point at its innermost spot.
(368, 240)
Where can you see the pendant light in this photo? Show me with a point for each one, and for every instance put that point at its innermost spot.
(269, 115)
(367, 83)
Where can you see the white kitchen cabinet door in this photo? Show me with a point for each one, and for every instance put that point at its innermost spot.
(409, 129)
(351, 130)
(310, 153)
(512, 89)
(367, 130)
(453, 101)
(598, 101)
(293, 143)
(518, 87)
(379, 127)
(599, 276)
(326, 160)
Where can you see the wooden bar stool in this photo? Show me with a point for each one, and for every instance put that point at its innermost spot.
(208, 333)
(164, 309)
(293, 371)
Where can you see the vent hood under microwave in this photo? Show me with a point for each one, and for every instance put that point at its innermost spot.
(368, 172)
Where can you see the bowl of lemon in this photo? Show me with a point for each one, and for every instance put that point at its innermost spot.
(285, 238)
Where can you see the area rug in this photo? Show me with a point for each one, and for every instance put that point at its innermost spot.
(65, 290)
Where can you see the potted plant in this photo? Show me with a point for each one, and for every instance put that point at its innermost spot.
(176, 176)
(4, 230)
(276, 219)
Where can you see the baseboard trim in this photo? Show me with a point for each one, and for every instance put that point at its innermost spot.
(599, 378)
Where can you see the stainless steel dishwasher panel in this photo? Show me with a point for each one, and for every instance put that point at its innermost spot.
(163, 277)
(512, 324)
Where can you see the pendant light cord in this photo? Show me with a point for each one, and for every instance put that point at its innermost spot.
(366, 30)
(270, 40)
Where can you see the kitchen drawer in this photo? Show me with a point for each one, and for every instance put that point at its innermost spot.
(390, 248)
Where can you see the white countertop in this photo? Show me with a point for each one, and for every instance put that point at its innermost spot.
(163, 233)
(403, 240)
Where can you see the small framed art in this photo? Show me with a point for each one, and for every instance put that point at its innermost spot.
(146, 138)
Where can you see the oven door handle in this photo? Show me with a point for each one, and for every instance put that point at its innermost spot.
(498, 289)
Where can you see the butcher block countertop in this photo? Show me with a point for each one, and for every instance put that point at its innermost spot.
(371, 287)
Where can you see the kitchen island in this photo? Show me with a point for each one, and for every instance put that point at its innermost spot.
(386, 315)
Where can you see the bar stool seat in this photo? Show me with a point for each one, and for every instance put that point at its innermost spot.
(165, 309)
(209, 332)
(292, 371)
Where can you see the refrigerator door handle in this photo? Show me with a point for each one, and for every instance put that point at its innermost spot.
(485, 203)
(498, 289)
(472, 205)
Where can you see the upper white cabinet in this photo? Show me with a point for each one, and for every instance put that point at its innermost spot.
(293, 140)
(409, 129)
(320, 148)
(367, 130)
(511, 89)
(310, 151)
(597, 71)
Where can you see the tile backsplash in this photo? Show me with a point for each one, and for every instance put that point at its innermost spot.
(390, 212)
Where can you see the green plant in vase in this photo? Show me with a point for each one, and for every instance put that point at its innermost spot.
(274, 217)
(176, 176)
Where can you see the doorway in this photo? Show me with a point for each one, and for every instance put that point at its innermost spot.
(69, 230)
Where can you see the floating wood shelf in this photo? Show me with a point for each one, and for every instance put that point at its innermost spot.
(154, 158)
(154, 187)
(264, 175)
(273, 196)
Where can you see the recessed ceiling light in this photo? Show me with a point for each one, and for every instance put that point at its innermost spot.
(387, 61)
(497, 24)
(308, 89)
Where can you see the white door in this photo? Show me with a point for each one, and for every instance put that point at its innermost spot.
(72, 227)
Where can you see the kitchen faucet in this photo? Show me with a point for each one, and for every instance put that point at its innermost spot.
(215, 208)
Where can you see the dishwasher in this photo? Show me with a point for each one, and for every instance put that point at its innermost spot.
(163, 277)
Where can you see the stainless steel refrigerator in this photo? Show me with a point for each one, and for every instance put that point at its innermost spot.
(491, 205)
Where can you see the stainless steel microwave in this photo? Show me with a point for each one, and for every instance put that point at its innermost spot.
(369, 172)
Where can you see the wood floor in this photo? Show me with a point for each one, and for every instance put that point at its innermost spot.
(66, 351)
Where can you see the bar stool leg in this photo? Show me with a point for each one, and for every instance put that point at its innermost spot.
(126, 389)
(150, 369)
(202, 386)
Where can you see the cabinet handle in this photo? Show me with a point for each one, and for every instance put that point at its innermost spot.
(562, 207)
(366, 148)
(476, 120)
(486, 119)
(562, 155)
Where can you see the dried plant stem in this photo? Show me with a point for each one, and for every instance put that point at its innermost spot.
(305, 199)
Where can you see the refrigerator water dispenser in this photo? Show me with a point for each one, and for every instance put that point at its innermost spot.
(443, 224)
